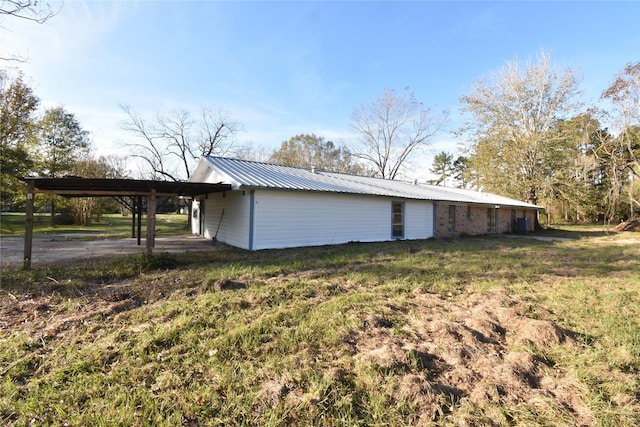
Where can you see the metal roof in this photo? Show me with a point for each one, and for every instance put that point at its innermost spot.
(89, 187)
(250, 174)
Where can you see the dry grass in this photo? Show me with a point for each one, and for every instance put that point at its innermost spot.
(480, 331)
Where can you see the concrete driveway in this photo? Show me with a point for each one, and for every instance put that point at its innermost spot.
(58, 248)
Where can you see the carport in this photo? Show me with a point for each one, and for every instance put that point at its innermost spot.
(104, 187)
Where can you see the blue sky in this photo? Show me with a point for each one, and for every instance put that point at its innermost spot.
(284, 68)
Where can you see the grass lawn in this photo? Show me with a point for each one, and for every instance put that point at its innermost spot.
(111, 226)
(478, 331)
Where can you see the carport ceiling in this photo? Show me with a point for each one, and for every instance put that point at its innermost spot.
(92, 187)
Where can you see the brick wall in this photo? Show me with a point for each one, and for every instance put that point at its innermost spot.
(472, 220)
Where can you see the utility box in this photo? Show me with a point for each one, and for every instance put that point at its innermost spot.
(522, 225)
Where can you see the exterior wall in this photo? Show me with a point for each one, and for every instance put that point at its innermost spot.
(418, 219)
(232, 227)
(471, 220)
(295, 219)
(506, 221)
(283, 219)
(531, 217)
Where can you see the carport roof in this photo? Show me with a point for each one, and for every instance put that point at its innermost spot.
(91, 187)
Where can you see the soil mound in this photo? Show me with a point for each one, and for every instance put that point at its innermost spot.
(630, 225)
(479, 351)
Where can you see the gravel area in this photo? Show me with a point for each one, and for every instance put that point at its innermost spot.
(56, 248)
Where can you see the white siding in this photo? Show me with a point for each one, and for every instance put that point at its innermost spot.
(296, 219)
(418, 219)
(234, 224)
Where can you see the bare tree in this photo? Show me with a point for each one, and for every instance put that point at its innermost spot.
(216, 133)
(623, 152)
(150, 150)
(29, 10)
(624, 93)
(512, 125)
(169, 146)
(253, 152)
(393, 128)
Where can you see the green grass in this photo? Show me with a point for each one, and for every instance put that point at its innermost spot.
(273, 337)
(110, 226)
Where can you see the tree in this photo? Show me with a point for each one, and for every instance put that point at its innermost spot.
(391, 129)
(170, 145)
(30, 10)
(576, 185)
(18, 105)
(309, 151)
(624, 93)
(88, 166)
(442, 167)
(61, 142)
(513, 115)
(461, 171)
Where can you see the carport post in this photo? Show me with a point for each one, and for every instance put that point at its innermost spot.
(151, 221)
(139, 207)
(28, 226)
(133, 217)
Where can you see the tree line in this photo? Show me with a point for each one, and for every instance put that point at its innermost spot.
(51, 143)
(530, 138)
(526, 136)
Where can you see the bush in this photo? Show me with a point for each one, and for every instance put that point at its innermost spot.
(64, 219)
(162, 261)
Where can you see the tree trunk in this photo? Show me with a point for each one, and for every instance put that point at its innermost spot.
(52, 217)
(533, 199)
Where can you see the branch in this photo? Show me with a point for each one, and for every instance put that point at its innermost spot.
(30, 10)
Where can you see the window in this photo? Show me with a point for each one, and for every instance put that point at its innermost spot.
(452, 218)
(492, 220)
(397, 220)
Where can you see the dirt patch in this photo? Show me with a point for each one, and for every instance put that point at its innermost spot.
(58, 311)
(630, 225)
(443, 352)
(54, 317)
(480, 350)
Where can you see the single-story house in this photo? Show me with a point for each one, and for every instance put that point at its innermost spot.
(273, 206)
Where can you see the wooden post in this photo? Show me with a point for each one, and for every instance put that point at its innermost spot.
(151, 221)
(133, 217)
(139, 207)
(28, 226)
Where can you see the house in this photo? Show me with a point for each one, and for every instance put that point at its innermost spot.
(274, 206)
